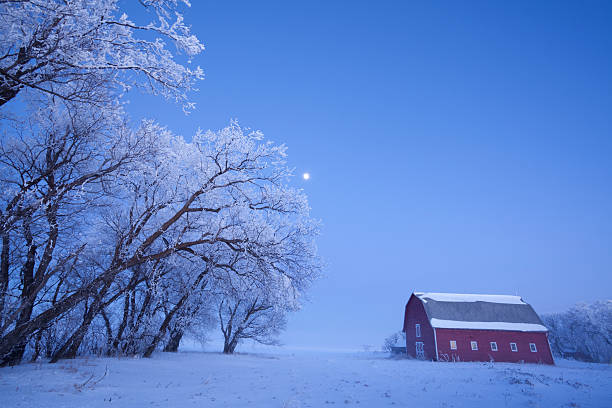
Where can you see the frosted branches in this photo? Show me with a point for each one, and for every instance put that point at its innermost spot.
(87, 52)
(110, 204)
(114, 237)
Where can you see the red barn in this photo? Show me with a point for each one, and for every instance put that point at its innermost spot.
(456, 327)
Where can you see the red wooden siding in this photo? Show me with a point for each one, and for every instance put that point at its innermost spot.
(415, 314)
(503, 339)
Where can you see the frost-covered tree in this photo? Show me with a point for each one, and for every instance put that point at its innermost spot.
(222, 199)
(254, 307)
(584, 331)
(62, 155)
(156, 303)
(89, 51)
(53, 167)
(252, 318)
(397, 339)
(111, 234)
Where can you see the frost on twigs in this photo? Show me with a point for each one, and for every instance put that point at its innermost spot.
(584, 332)
(88, 51)
(142, 232)
(118, 239)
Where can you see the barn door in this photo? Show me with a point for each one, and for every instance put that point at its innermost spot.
(420, 350)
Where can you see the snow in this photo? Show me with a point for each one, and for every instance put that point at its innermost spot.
(458, 297)
(456, 324)
(301, 380)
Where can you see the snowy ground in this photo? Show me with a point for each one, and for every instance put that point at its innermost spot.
(301, 380)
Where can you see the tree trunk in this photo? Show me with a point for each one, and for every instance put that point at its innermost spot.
(31, 281)
(16, 354)
(68, 348)
(9, 91)
(21, 333)
(4, 273)
(169, 316)
(109, 331)
(230, 346)
(26, 302)
(164, 326)
(175, 339)
(124, 322)
(36, 347)
(71, 347)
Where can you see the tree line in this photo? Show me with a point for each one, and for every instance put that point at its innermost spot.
(120, 238)
(584, 332)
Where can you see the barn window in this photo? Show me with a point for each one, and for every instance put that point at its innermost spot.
(493, 346)
(513, 347)
(418, 330)
(474, 345)
(533, 348)
(453, 344)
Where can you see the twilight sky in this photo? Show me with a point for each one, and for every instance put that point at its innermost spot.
(452, 147)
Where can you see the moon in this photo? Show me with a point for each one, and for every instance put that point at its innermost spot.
(306, 176)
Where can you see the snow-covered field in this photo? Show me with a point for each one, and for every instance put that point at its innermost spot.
(301, 380)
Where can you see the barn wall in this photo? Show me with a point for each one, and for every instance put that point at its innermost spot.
(415, 313)
(464, 351)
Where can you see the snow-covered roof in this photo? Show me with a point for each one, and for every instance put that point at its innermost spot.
(460, 297)
(454, 324)
(484, 312)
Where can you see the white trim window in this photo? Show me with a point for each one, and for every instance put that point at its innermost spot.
(474, 345)
(420, 349)
(418, 330)
(493, 346)
(533, 348)
(513, 347)
(453, 344)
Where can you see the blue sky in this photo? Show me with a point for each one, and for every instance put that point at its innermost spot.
(453, 146)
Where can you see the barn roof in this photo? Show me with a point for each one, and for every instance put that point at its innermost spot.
(485, 312)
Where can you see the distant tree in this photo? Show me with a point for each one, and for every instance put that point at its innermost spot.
(583, 332)
(394, 340)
